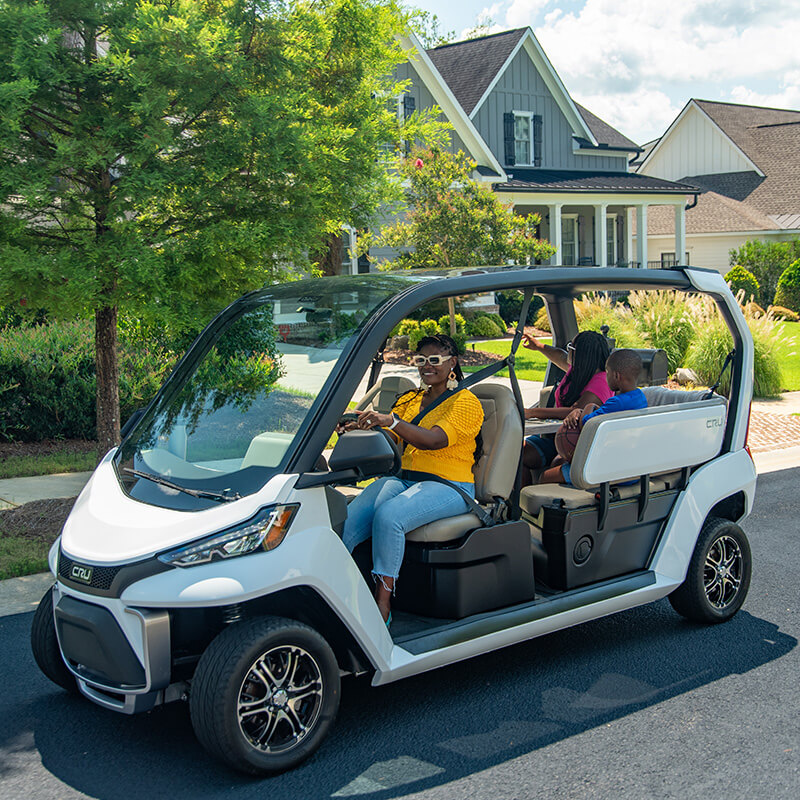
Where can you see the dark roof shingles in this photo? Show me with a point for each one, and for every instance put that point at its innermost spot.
(538, 180)
(604, 133)
(469, 67)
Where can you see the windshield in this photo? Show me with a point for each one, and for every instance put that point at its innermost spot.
(225, 421)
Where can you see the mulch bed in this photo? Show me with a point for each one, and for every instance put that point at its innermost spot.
(37, 521)
(45, 447)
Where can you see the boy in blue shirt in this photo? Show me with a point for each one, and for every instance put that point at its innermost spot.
(622, 372)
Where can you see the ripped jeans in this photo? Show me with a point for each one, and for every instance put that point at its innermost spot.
(389, 508)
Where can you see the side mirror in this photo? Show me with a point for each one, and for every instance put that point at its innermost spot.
(357, 455)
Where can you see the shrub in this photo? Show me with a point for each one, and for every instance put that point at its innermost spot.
(406, 327)
(444, 324)
(741, 279)
(510, 303)
(767, 260)
(788, 292)
(47, 389)
(779, 312)
(664, 320)
(542, 321)
(484, 327)
(501, 323)
(712, 342)
(428, 327)
(593, 310)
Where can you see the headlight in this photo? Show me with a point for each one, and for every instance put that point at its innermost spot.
(265, 531)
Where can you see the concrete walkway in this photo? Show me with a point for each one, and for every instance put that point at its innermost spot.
(16, 491)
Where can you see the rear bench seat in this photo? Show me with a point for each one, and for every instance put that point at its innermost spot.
(677, 429)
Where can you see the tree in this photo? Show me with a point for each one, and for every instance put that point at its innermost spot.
(453, 221)
(766, 260)
(787, 294)
(160, 158)
(741, 279)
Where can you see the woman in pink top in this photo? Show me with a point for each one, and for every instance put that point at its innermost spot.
(585, 382)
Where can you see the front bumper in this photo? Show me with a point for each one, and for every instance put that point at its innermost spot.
(125, 668)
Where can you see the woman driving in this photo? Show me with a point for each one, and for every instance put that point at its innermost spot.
(443, 445)
(584, 363)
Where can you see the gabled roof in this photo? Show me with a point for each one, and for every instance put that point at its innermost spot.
(470, 67)
(714, 213)
(605, 134)
(449, 104)
(473, 67)
(561, 180)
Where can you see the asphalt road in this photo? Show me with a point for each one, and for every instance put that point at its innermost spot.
(638, 705)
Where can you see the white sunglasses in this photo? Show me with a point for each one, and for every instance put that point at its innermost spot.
(434, 360)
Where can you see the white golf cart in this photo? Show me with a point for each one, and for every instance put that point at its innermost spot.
(204, 559)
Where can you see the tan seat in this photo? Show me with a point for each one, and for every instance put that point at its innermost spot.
(532, 498)
(383, 395)
(496, 469)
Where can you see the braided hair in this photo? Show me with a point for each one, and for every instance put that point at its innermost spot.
(589, 357)
(446, 343)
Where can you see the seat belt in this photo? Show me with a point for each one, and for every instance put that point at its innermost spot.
(474, 378)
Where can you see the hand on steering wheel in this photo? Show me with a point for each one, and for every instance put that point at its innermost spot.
(374, 419)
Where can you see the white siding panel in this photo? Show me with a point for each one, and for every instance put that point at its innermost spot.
(695, 147)
(711, 252)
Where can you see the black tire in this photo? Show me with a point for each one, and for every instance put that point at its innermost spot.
(718, 577)
(260, 662)
(44, 645)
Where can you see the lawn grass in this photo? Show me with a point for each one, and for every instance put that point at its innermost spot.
(20, 556)
(14, 466)
(789, 356)
(530, 365)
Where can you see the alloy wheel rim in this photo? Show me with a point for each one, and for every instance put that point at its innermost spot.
(722, 572)
(280, 699)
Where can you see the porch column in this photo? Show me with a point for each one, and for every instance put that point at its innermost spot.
(352, 242)
(641, 235)
(600, 223)
(629, 236)
(555, 232)
(680, 232)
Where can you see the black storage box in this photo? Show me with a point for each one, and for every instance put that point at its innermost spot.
(489, 568)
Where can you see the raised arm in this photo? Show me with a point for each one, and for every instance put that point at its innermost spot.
(554, 354)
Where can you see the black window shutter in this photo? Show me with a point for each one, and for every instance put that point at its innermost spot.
(508, 138)
(537, 140)
(409, 106)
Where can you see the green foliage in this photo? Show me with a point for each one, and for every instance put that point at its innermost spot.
(766, 260)
(779, 312)
(594, 309)
(47, 388)
(453, 221)
(458, 319)
(484, 327)
(542, 321)
(406, 327)
(47, 464)
(510, 302)
(712, 342)
(663, 320)
(427, 327)
(741, 279)
(788, 291)
(152, 151)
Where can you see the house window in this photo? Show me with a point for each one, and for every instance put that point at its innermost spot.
(569, 240)
(612, 240)
(669, 260)
(523, 137)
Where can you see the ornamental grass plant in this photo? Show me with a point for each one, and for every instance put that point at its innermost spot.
(664, 320)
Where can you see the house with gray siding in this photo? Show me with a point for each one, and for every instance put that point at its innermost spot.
(538, 149)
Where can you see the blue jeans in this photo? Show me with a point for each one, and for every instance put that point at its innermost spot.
(389, 508)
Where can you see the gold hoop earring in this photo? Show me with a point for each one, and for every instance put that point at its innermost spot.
(452, 382)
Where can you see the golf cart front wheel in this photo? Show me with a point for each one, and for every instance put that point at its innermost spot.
(265, 694)
(718, 577)
(44, 645)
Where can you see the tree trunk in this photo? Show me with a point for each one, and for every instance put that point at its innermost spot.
(330, 256)
(107, 368)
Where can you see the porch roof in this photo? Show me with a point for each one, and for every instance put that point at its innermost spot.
(552, 180)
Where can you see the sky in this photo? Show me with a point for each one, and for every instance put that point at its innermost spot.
(636, 65)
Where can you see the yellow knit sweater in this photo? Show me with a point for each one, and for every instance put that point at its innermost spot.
(460, 417)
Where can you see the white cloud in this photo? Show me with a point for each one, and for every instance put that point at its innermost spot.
(626, 57)
(787, 97)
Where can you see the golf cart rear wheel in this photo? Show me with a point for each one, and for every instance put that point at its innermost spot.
(718, 577)
(265, 694)
(44, 645)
